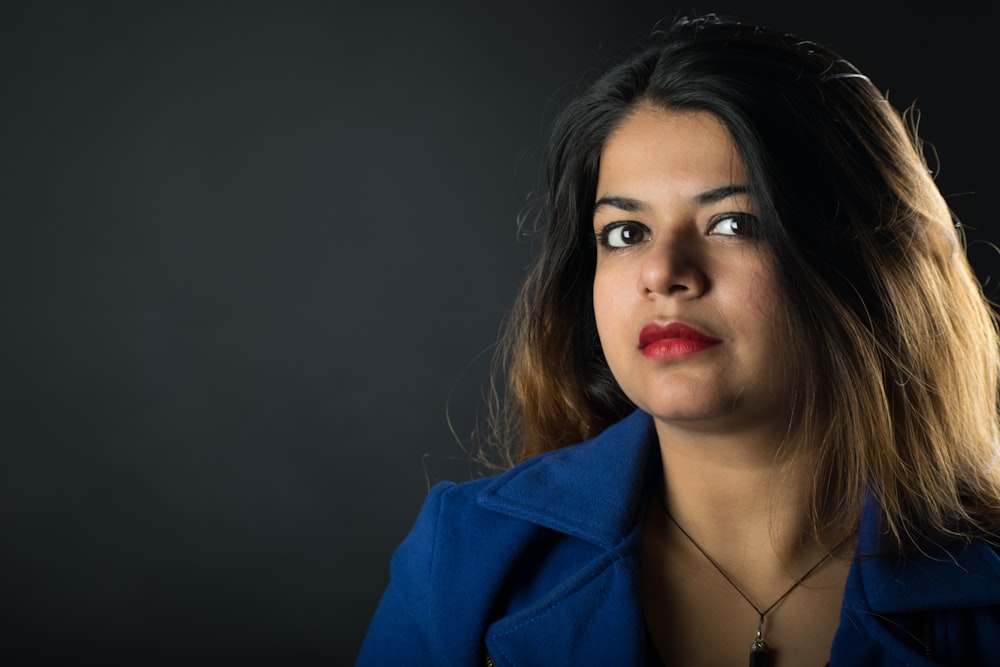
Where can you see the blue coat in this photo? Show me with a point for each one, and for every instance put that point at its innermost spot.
(540, 566)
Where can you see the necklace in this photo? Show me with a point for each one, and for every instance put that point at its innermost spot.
(759, 653)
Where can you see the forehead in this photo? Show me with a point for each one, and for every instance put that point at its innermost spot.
(655, 149)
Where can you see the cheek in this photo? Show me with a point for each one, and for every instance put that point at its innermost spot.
(754, 308)
(753, 293)
(610, 308)
(764, 314)
(767, 301)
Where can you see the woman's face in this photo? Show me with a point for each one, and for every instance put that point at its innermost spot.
(685, 295)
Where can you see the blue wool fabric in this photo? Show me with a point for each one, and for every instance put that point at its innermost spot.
(540, 566)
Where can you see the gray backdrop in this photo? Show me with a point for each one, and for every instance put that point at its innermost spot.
(250, 250)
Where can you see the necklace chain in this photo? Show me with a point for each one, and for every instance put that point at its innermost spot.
(760, 613)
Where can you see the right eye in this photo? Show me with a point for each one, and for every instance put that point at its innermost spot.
(623, 234)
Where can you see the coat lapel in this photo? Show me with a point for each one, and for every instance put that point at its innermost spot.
(593, 619)
(595, 492)
(955, 575)
(592, 490)
(901, 609)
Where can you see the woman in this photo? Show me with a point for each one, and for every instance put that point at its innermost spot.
(753, 311)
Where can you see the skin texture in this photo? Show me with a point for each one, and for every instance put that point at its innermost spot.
(689, 263)
(675, 243)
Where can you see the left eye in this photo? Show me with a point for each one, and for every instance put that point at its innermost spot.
(623, 234)
(732, 224)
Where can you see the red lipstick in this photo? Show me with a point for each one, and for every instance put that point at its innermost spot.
(673, 341)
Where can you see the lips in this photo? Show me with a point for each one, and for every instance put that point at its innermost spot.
(673, 341)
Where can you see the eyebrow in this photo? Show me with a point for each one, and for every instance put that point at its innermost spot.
(718, 194)
(708, 197)
(622, 203)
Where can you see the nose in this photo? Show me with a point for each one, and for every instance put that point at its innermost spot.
(674, 267)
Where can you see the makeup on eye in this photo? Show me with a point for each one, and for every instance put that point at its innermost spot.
(732, 224)
(622, 234)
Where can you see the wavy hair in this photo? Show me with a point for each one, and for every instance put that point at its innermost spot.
(897, 378)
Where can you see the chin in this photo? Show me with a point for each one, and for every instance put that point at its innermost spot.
(683, 410)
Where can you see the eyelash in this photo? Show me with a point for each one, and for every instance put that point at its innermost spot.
(740, 217)
(602, 237)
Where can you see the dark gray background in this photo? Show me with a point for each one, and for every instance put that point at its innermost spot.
(249, 250)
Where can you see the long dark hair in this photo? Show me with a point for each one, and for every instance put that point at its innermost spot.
(896, 345)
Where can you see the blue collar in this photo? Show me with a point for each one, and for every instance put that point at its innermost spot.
(951, 575)
(595, 491)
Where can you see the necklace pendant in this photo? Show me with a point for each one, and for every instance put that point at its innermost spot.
(759, 655)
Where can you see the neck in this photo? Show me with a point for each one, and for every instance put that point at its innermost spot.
(742, 505)
(736, 548)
